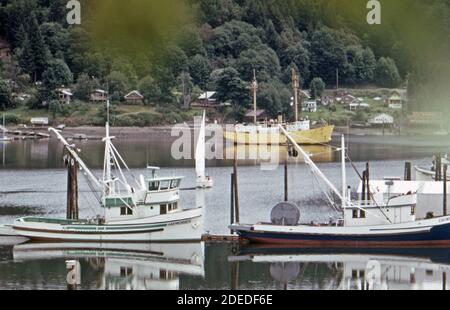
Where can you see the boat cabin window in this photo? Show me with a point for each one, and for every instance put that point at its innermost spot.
(413, 210)
(153, 186)
(175, 184)
(165, 185)
(173, 206)
(359, 214)
(126, 211)
(163, 209)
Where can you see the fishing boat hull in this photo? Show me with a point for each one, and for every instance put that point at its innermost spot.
(314, 136)
(425, 233)
(184, 226)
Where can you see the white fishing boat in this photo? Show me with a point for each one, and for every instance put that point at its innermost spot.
(362, 223)
(146, 211)
(203, 181)
(4, 137)
(9, 237)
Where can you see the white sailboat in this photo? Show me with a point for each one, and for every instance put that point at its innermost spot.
(146, 211)
(203, 181)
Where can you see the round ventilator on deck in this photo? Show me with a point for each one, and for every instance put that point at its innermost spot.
(285, 214)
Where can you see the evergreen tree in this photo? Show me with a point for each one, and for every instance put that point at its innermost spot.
(386, 73)
(317, 88)
(56, 75)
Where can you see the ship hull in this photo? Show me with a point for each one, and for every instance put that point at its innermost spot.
(426, 233)
(184, 226)
(314, 136)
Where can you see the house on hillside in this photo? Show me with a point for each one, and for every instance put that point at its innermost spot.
(347, 99)
(309, 106)
(98, 95)
(5, 50)
(382, 119)
(65, 95)
(356, 105)
(134, 97)
(396, 100)
(207, 100)
(261, 116)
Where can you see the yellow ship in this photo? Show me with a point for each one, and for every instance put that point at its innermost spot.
(315, 136)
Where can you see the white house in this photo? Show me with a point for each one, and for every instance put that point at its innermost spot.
(309, 106)
(64, 95)
(356, 105)
(382, 119)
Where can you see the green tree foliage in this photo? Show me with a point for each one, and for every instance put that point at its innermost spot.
(56, 75)
(263, 59)
(149, 89)
(118, 85)
(34, 54)
(317, 88)
(231, 87)
(200, 70)
(386, 73)
(5, 95)
(328, 54)
(84, 86)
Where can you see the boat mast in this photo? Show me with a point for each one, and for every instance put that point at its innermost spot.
(344, 174)
(254, 88)
(311, 163)
(295, 87)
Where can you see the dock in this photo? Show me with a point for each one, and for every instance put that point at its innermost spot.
(220, 238)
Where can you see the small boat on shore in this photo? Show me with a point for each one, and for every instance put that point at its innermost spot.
(147, 210)
(203, 181)
(362, 223)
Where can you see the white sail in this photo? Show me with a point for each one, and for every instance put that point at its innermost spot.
(200, 151)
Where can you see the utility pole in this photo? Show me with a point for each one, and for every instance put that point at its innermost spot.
(295, 88)
(254, 88)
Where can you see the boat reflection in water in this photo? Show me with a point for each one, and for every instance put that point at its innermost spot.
(124, 266)
(273, 153)
(335, 269)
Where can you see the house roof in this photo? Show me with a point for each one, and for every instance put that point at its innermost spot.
(134, 92)
(101, 91)
(251, 113)
(207, 95)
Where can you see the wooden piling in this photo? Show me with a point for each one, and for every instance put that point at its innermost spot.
(445, 190)
(72, 188)
(408, 169)
(232, 202)
(368, 181)
(286, 180)
(363, 193)
(236, 188)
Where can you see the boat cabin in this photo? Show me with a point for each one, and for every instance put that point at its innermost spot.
(160, 197)
(397, 210)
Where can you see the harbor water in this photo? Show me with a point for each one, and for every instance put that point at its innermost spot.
(33, 183)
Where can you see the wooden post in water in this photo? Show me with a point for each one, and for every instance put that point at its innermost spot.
(235, 178)
(72, 188)
(232, 202)
(368, 181)
(286, 184)
(363, 193)
(445, 190)
(408, 171)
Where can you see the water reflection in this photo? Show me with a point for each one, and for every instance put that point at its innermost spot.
(123, 266)
(335, 269)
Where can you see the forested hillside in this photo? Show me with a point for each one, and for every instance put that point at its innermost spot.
(172, 50)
